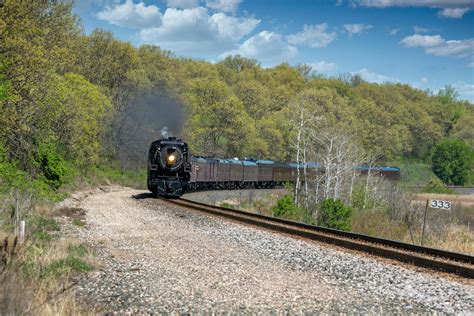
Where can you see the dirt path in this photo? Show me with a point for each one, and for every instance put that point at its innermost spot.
(153, 258)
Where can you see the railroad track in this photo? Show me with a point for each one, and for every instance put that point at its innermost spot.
(431, 258)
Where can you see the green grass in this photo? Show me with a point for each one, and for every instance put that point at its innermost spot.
(79, 250)
(414, 173)
(228, 205)
(108, 174)
(65, 266)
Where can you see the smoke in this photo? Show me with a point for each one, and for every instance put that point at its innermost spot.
(165, 133)
(146, 118)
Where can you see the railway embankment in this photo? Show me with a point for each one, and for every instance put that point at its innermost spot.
(153, 257)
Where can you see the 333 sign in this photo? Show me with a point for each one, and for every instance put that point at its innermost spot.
(445, 205)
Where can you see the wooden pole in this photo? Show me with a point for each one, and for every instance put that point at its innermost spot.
(424, 223)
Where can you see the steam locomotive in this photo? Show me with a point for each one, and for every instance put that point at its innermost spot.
(172, 171)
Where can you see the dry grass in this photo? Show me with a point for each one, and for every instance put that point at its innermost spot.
(450, 235)
(455, 237)
(37, 282)
(463, 200)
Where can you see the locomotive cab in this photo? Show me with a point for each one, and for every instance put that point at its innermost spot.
(168, 167)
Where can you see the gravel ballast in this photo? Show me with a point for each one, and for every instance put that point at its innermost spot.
(153, 257)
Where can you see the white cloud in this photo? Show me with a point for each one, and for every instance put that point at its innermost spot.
(419, 29)
(449, 8)
(463, 48)
(313, 35)
(371, 76)
(323, 66)
(466, 90)
(223, 5)
(422, 40)
(182, 4)
(471, 64)
(453, 13)
(268, 47)
(131, 15)
(436, 45)
(356, 28)
(393, 31)
(193, 32)
(231, 27)
(424, 80)
(414, 3)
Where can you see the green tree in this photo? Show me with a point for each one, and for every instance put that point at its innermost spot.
(334, 214)
(286, 208)
(452, 161)
(74, 112)
(36, 41)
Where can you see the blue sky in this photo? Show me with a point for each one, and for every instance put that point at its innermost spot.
(426, 43)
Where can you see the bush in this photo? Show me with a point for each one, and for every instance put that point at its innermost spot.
(452, 161)
(51, 164)
(334, 214)
(437, 186)
(286, 208)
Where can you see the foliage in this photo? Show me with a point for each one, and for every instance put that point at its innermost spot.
(51, 164)
(82, 91)
(452, 161)
(435, 185)
(286, 208)
(414, 173)
(334, 214)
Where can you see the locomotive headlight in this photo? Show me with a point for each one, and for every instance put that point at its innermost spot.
(171, 159)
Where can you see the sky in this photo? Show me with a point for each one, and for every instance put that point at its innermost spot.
(425, 43)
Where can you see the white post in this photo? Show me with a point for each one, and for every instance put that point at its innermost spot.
(22, 232)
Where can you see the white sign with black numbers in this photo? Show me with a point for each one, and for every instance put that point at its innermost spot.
(445, 205)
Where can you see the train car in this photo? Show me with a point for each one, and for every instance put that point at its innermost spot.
(250, 174)
(310, 168)
(265, 173)
(168, 167)
(389, 173)
(236, 173)
(281, 173)
(223, 173)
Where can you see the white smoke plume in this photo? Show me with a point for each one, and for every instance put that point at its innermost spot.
(165, 133)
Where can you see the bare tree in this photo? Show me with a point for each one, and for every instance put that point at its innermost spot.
(304, 122)
(338, 155)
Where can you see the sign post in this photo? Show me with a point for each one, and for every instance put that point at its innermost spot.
(445, 205)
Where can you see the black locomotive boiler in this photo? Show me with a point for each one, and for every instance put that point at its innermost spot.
(168, 167)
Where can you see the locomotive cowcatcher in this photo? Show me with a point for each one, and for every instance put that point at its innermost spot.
(168, 167)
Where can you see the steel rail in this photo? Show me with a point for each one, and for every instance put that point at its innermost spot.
(431, 258)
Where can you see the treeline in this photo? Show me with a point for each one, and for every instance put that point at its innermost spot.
(70, 100)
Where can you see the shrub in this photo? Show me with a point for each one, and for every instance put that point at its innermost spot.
(437, 186)
(334, 214)
(286, 208)
(452, 161)
(51, 164)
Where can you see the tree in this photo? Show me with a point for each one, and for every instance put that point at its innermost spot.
(452, 161)
(74, 112)
(334, 214)
(35, 43)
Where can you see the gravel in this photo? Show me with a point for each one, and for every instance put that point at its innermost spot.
(154, 258)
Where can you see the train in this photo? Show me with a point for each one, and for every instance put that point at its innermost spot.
(172, 171)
